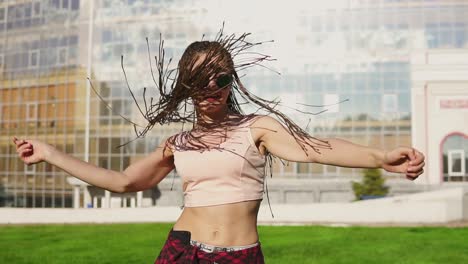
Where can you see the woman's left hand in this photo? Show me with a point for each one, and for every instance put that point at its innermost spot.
(404, 160)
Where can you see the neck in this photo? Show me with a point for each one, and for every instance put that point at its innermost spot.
(208, 118)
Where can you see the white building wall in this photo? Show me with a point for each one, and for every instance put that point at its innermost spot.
(437, 75)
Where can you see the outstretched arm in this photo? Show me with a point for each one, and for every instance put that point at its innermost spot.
(278, 141)
(140, 175)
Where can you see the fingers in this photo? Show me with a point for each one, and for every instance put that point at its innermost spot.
(24, 147)
(18, 142)
(414, 172)
(416, 157)
(416, 165)
(415, 168)
(417, 162)
(414, 176)
(25, 151)
(21, 145)
(412, 155)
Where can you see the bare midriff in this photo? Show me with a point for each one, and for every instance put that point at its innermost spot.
(221, 225)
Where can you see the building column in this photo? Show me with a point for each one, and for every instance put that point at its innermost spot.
(95, 201)
(107, 200)
(76, 196)
(139, 199)
(86, 197)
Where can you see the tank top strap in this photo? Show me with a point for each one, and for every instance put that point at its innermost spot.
(247, 127)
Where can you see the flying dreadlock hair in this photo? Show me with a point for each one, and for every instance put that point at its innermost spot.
(179, 87)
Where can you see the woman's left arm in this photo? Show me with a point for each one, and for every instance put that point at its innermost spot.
(279, 142)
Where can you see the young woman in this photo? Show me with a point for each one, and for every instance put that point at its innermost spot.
(221, 159)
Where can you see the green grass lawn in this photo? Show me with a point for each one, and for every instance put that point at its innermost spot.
(140, 243)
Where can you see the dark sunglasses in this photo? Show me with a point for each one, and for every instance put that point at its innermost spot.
(223, 80)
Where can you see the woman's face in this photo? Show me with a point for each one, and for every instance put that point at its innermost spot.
(213, 96)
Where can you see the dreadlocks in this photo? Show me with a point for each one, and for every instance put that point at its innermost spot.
(179, 87)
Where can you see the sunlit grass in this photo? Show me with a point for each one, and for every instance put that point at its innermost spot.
(141, 243)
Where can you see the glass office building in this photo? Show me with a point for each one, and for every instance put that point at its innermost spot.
(350, 59)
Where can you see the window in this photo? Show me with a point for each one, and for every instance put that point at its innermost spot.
(2, 14)
(455, 158)
(73, 40)
(53, 42)
(11, 13)
(330, 170)
(75, 5)
(33, 58)
(62, 55)
(27, 10)
(19, 12)
(65, 4)
(37, 9)
(331, 103)
(31, 111)
(107, 36)
(98, 201)
(302, 168)
(107, 3)
(151, 144)
(128, 202)
(389, 103)
(456, 164)
(56, 3)
(29, 169)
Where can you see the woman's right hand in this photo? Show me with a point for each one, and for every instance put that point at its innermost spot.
(31, 151)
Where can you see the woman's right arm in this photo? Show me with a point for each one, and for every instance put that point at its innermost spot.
(140, 175)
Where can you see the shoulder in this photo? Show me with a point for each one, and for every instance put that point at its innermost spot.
(263, 125)
(264, 121)
(169, 145)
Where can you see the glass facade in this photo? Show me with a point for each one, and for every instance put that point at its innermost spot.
(39, 80)
(350, 58)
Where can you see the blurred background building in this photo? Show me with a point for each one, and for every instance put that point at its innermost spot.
(399, 69)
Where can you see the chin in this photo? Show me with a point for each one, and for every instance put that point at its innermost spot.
(210, 107)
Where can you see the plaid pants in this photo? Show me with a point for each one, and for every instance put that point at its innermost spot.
(178, 249)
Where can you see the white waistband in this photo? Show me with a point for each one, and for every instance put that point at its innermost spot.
(212, 249)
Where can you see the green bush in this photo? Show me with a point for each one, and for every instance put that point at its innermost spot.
(372, 184)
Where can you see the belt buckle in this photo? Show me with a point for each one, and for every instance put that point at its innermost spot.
(207, 248)
(220, 249)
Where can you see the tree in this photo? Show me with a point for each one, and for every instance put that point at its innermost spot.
(372, 185)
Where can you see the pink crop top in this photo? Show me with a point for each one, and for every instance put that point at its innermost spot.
(227, 172)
